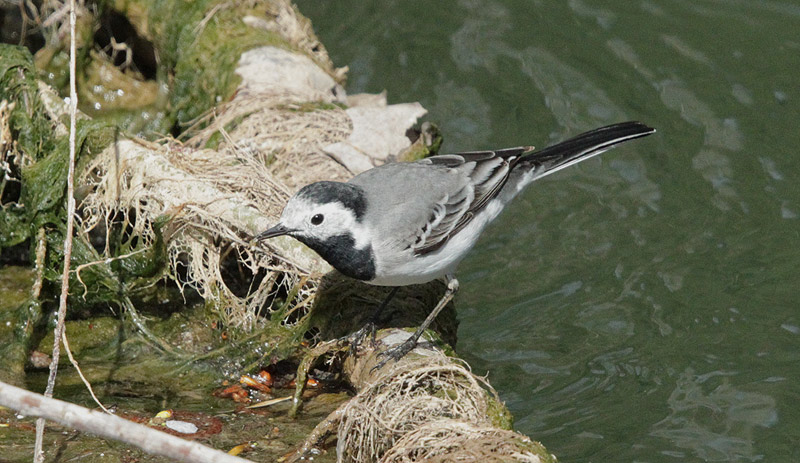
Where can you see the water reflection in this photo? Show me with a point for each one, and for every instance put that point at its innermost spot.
(480, 40)
(714, 420)
(470, 122)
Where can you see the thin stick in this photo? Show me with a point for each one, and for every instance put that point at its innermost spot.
(41, 253)
(111, 427)
(38, 455)
(325, 428)
(80, 373)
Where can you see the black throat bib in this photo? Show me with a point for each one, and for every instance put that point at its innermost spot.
(340, 251)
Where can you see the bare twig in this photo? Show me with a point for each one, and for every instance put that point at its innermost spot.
(80, 373)
(41, 253)
(110, 426)
(302, 371)
(198, 29)
(117, 47)
(38, 456)
(319, 434)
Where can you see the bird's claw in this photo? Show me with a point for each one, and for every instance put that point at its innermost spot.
(359, 336)
(395, 353)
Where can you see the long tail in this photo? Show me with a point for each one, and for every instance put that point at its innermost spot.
(584, 146)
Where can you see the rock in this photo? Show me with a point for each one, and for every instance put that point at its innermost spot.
(272, 70)
(378, 133)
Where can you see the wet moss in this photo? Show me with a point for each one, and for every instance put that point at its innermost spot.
(427, 143)
(29, 125)
(119, 95)
(52, 64)
(90, 339)
(199, 44)
(125, 99)
(17, 319)
(498, 413)
(108, 88)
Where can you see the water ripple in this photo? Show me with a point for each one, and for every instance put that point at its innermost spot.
(716, 424)
(575, 102)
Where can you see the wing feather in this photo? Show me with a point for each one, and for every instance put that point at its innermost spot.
(486, 172)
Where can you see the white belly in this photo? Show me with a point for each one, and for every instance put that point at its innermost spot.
(405, 268)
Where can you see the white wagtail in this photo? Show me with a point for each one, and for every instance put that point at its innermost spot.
(408, 223)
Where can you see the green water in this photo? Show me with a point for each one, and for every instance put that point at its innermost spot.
(640, 307)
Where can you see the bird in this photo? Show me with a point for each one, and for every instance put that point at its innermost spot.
(405, 223)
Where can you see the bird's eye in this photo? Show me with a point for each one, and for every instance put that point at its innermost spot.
(317, 219)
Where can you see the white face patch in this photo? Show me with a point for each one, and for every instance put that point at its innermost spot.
(322, 221)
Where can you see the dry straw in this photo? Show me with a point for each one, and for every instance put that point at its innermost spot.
(214, 201)
(417, 391)
(452, 440)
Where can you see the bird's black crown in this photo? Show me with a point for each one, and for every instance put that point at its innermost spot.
(350, 196)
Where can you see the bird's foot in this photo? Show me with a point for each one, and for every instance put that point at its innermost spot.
(396, 353)
(356, 339)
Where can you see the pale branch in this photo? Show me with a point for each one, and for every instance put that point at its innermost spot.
(38, 455)
(109, 426)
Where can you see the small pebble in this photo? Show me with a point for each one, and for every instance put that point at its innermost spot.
(183, 427)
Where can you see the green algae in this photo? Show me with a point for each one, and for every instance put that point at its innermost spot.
(199, 44)
(89, 339)
(17, 320)
(40, 203)
(41, 199)
(29, 125)
(498, 413)
(43, 177)
(428, 142)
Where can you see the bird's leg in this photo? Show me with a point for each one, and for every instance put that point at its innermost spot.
(398, 352)
(358, 337)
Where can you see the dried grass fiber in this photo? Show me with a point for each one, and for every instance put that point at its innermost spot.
(415, 392)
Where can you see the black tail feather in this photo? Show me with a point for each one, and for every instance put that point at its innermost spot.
(584, 146)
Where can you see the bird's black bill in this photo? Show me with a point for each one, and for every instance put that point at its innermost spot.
(277, 230)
